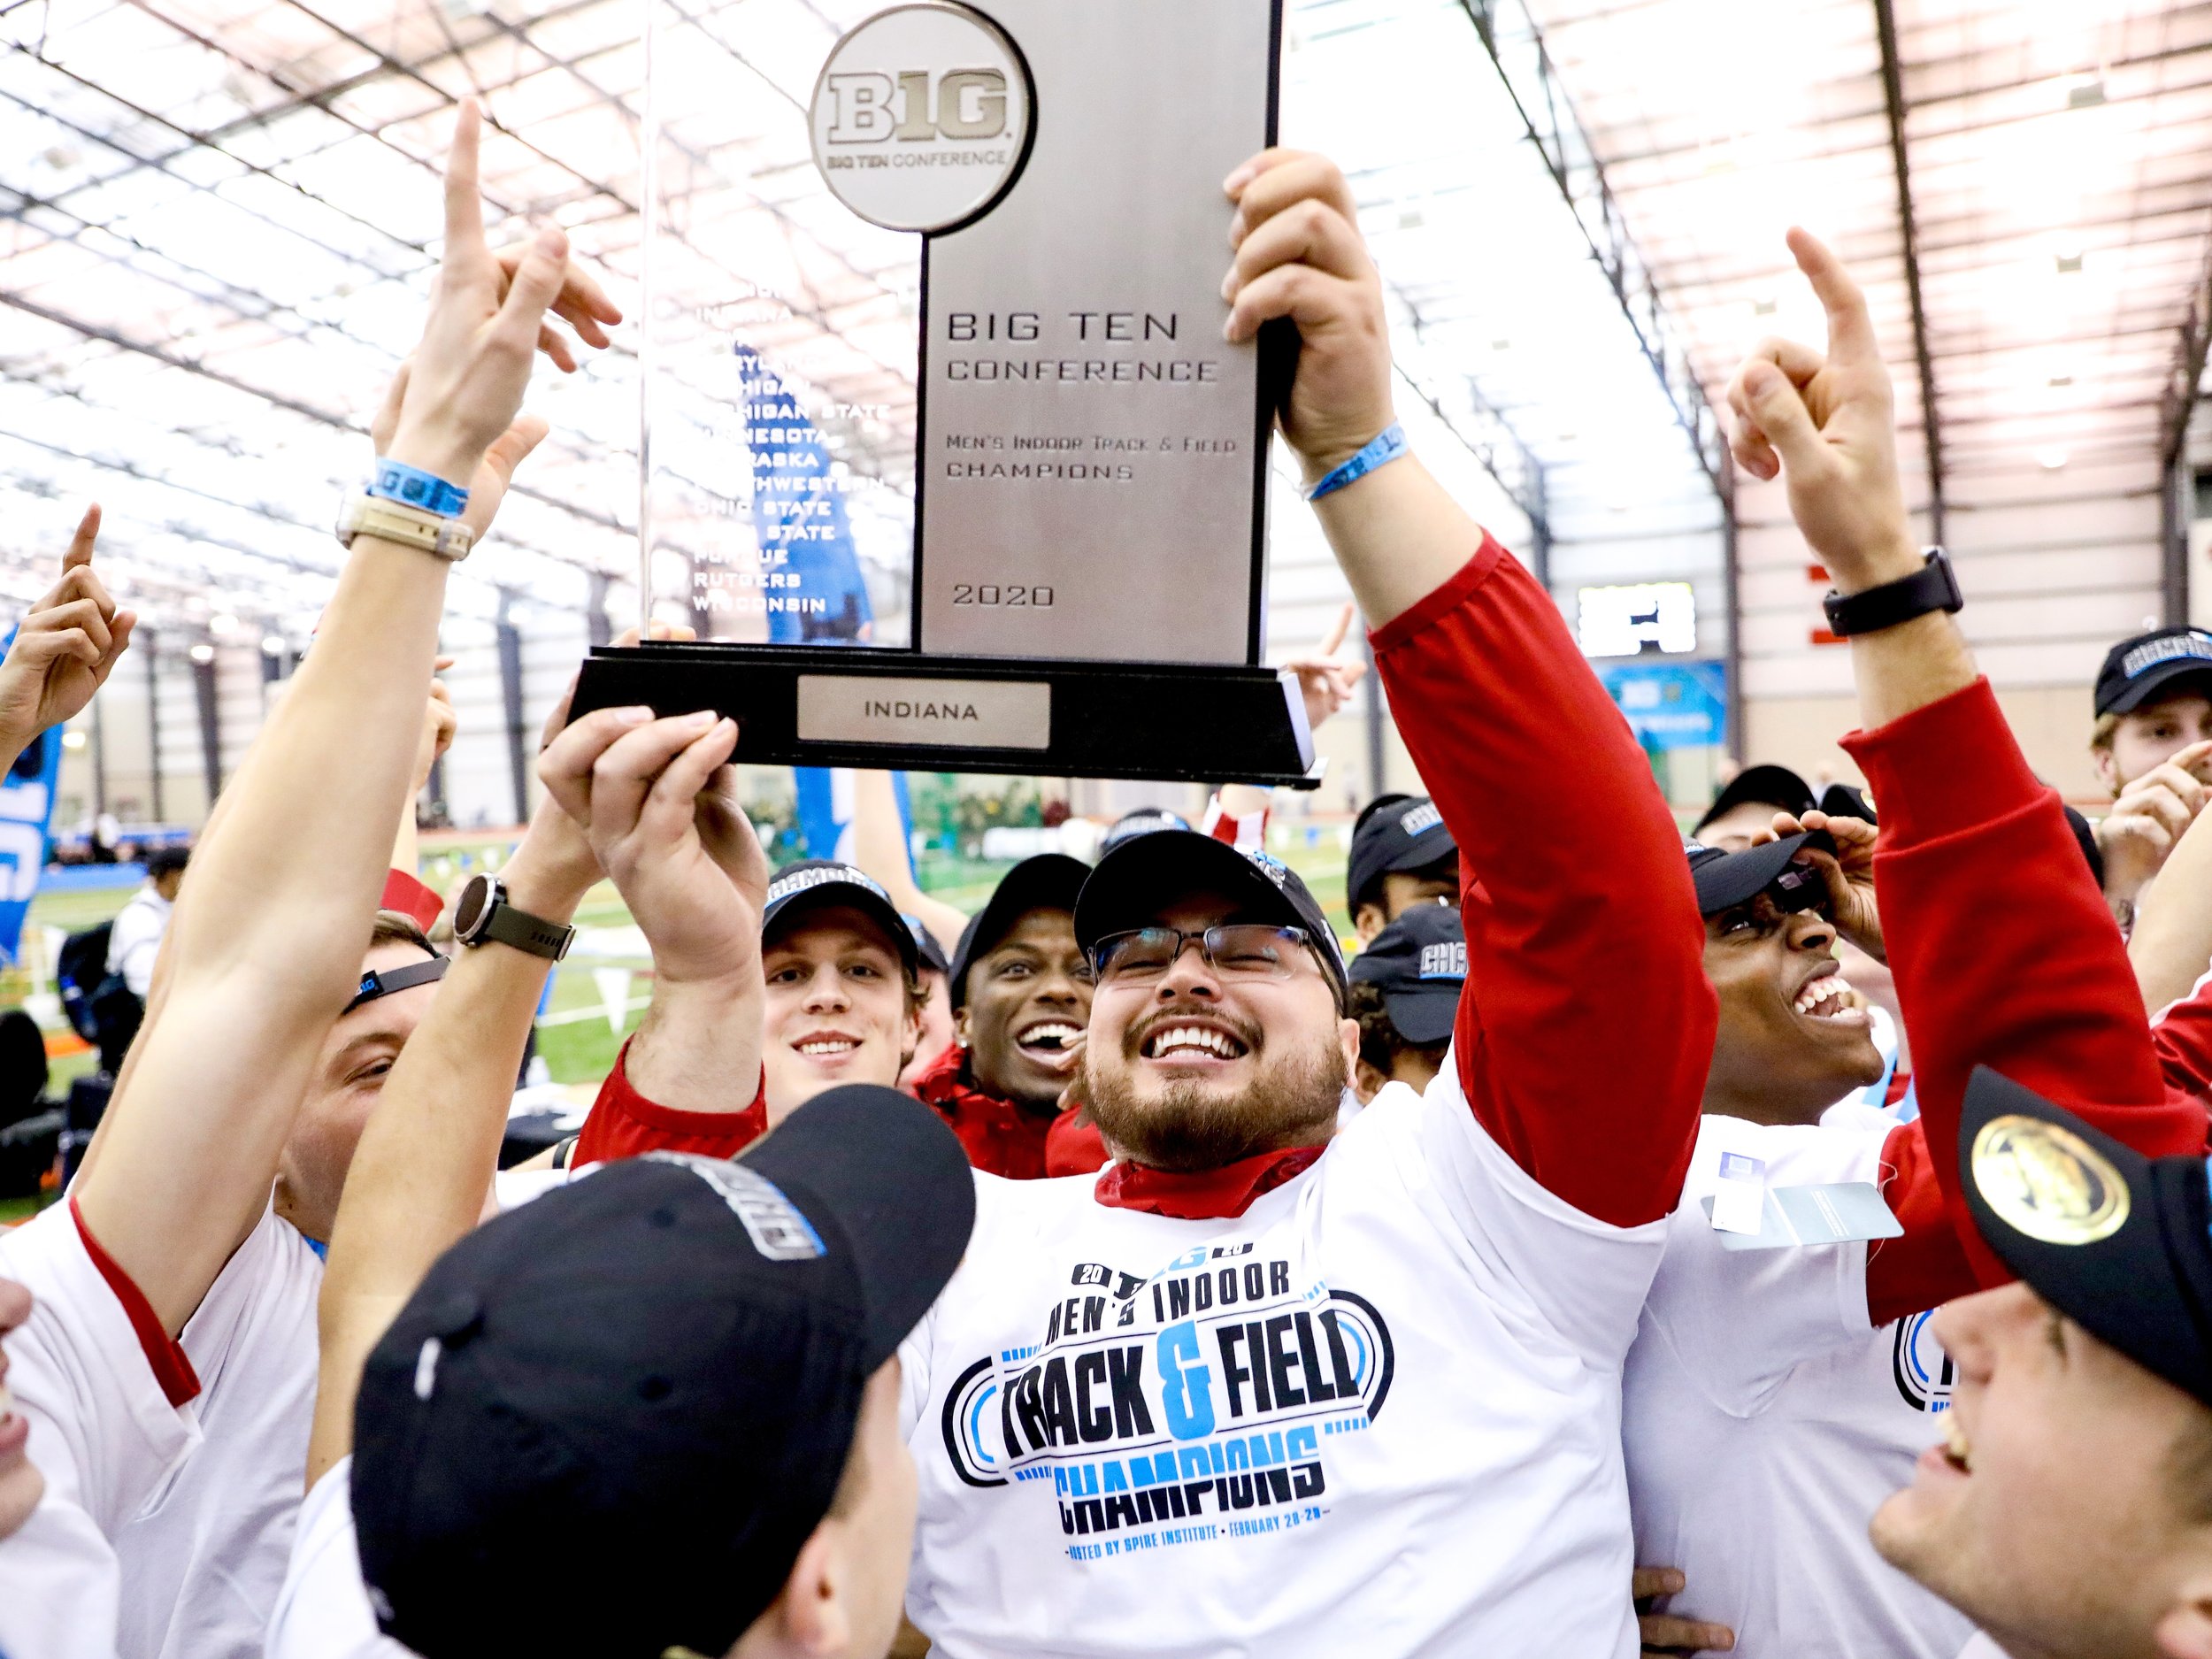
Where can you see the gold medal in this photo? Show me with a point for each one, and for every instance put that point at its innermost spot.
(2048, 1182)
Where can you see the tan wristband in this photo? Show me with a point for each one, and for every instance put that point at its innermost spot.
(363, 514)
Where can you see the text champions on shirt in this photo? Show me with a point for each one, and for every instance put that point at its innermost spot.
(1182, 1408)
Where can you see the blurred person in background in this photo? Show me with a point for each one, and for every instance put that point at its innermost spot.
(934, 969)
(1406, 983)
(135, 939)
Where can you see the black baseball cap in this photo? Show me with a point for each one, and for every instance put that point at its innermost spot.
(1393, 833)
(1725, 879)
(1777, 787)
(2119, 1242)
(813, 882)
(1143, 821)
(659, 1367)
(1050, 881)
(2136, 670)
(1130, 884)
(927, 951)
(1418, 962)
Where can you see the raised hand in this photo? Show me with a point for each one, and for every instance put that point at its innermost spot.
(1299, 254)
(1824, 424)
(1326, 679)
(2150, 817)
(465, 383)
(65, 647)
(655, 799)
(1848, 872)
(439, 723)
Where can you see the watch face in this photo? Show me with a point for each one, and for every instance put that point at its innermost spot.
(468, 911)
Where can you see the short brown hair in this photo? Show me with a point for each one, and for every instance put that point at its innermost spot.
(395, 928)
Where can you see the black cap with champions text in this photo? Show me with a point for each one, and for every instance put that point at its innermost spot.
(658, 1368)
(1393, 833)
(2119, 1243)
(814, 882)
(1777, 787)
(2139, 669)
(1050, 881)
(1142, 821)
(1137, 879)
(1419, 964)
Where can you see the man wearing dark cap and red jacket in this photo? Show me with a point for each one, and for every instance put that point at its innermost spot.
(1021, 993)
(1269, 1377)
(2037, 988)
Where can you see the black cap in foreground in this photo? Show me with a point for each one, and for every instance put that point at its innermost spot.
(1393, 833)
(1418, 962)
(813, 882)
(1777, 787)
(1132, 883)
(1725, 879)
(2136, 670)
(658, 1368)
(2116, 1242)
(1050, 881)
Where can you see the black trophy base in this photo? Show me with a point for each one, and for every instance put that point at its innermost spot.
(817, 706)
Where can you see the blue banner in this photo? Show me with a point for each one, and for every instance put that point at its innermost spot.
(26, 808)
(1669, 705)
(811, 576)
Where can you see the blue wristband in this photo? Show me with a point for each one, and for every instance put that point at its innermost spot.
(1386, 446)
(411, 486)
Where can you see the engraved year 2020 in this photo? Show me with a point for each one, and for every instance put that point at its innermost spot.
(1000, 594)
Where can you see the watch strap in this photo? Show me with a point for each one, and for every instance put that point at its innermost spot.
(363, 514)
(1934, 587)
(508, 923)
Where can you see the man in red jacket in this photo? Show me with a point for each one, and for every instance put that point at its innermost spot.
(2039, 990)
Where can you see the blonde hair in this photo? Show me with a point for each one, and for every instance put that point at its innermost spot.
(2100, 735)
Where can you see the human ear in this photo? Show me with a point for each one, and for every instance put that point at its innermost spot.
(1366, 1081)
(1367, 921)
(811, 1608)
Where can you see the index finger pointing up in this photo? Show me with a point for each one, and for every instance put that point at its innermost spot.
(80, 543)
(1850, 330)
(464, 205)
(1336, 634)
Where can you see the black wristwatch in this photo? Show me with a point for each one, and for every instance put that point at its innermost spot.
(1931, 588)
(482, 915)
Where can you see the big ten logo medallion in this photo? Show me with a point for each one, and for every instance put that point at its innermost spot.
(922, 117)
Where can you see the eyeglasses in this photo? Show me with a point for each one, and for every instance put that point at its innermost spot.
(1236, 950)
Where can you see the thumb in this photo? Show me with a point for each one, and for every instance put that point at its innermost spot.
(537, 284)
(1782, 415)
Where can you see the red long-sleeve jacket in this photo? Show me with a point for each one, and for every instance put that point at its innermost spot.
(2004, 956)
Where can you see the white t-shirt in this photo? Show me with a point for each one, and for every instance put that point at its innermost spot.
(1765, 1419)
(103, 1433)
(135, 939)
(323, 1611)
(1377, 1413)
(179, 1518)
(203, 1562)
(1983, 1648)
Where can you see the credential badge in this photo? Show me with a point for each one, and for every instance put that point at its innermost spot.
(921, 117)
(2048, 1182)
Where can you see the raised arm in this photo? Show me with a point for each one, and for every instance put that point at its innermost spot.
(431, 1148)
(65, 648)
(266, 940)
(2172, 946)
(1511, 731)
(2031, 980)
(879, 848)
(657, 799)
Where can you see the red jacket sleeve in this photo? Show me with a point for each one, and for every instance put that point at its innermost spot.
(1586, 1028)
(623, 1123)
(2004, 956)
(2183, 1037)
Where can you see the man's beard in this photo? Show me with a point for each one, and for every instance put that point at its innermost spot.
(1190, 1126)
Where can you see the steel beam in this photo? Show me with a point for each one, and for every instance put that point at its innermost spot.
(1516, 46)
(1894, 99)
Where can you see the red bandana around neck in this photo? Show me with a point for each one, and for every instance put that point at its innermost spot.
(1202, 1195)
(1002, 1136)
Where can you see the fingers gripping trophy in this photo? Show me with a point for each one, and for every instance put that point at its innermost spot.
(1089, 428)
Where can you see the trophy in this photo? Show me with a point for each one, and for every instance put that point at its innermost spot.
(1011, 519)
